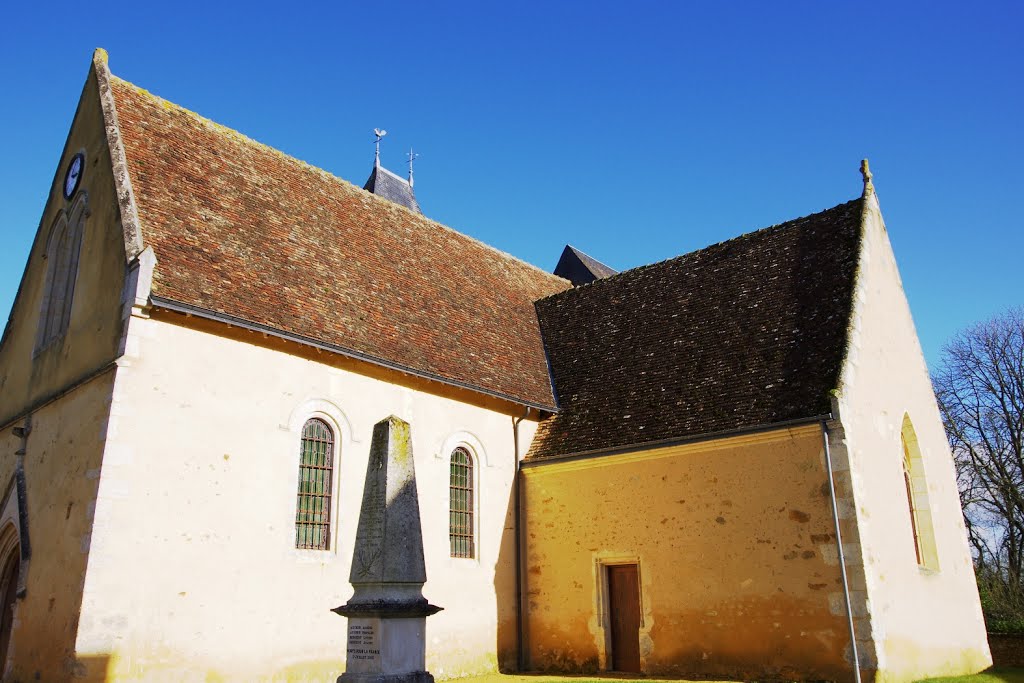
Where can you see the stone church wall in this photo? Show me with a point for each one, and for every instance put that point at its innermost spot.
(29, 375)
(735, 544)
(196, 576)
(925, 618)
(62, 461)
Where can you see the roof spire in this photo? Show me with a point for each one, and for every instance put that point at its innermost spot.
(412, 158)
(865, 171)
(380, 133)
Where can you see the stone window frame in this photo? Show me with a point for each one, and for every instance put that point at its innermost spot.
(478, 454)
(63, 255)
(915, 485)
(322, 477)
(341, 428)
(471, 509)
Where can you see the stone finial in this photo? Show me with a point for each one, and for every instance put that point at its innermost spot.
(865, 171)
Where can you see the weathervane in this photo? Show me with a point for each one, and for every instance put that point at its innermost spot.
(380, 133)
(412, 158)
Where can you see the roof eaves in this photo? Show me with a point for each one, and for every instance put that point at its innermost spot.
(676, 441)
(199, 312)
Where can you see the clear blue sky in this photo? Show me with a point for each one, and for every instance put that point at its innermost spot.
(634, 131)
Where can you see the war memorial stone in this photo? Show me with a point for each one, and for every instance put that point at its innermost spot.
(387, 612)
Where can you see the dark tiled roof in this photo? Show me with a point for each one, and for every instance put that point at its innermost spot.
(241, 229)
(386, 184)
(579, 268)
(745, 333)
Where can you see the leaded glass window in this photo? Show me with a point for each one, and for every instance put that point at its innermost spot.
(460, 508)
(316, 469)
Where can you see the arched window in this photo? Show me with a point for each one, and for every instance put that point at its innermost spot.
(460, 506)
(62, 255)
(316, 472)
(908, 481)
(922, 531)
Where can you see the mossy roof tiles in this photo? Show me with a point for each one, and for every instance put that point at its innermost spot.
(240, 229)
(745, 333)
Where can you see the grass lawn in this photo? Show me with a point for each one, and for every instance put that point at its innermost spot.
(993, 675)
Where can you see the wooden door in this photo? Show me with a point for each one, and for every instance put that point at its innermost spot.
(8, 591)
(624, 616)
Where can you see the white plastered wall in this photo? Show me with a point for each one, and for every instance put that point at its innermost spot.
(924, 622)
(194, 573)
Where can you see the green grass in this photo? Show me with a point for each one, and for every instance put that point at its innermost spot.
(545, 678)
(993, 675)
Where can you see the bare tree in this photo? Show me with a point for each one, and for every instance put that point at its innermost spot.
(980, 388)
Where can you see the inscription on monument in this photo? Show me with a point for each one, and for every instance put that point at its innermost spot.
(363, 644)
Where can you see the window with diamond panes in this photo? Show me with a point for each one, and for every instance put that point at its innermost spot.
(316, 469)
(460, 508)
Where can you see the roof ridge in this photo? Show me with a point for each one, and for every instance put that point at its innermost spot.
(393, 174)
(742, 236)
(327, 175)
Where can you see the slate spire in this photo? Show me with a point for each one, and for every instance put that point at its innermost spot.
(388, 185)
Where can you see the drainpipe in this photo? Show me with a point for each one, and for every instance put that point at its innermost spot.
(520, 626)
(842, 557)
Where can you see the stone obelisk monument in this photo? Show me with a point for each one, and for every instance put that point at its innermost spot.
(387, 612)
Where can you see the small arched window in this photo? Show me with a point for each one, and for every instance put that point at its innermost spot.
(316, 473)
(921, 527)
(461, 526)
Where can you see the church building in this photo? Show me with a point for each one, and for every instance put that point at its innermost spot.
(729, 464)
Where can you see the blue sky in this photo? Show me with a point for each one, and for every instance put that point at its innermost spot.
(634, 131)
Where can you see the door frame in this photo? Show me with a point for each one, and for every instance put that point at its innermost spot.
(10, 553)
(603, 606)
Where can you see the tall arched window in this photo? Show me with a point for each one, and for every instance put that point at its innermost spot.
(62, 255)
(316, 473)
(460, 506)
(921, 527)
(908, 481)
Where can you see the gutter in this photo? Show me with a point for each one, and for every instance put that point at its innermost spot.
(517, 485)
(842, 558)
(207, 314)
(676, 441)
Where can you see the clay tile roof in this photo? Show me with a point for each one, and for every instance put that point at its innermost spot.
(580, 268)
(240, 229)
(386, 184)
(746, 333)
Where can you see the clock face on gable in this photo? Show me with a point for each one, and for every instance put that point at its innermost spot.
(73, 176)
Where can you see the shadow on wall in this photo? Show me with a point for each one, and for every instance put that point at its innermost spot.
(505, 591)
(87, 669)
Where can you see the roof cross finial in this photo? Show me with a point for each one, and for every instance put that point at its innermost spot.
(380, 133)
(865, 171)
(412, 158)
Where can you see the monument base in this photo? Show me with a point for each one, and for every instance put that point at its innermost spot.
(411, 677)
